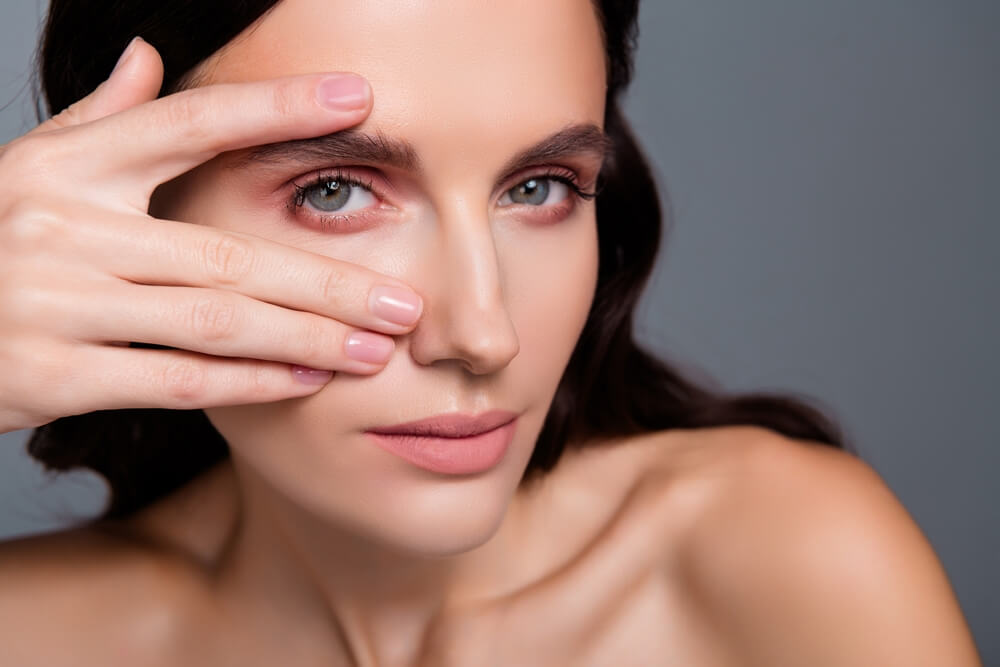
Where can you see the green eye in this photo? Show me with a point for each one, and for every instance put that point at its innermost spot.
(533, 192)
(328, 196)
(335, 194)
(539, 191)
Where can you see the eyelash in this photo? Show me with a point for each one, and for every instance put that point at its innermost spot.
(334, 222)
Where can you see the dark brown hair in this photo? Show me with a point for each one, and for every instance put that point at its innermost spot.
(611, 386)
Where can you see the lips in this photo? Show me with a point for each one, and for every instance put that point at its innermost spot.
(450, 425)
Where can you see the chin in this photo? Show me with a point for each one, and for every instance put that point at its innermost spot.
(356, 488)
(432, 532)
(421, 513)
(423, 518)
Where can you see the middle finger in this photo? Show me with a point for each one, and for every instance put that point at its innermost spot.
(166, 252)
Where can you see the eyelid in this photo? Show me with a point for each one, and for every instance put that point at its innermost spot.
(332, 220)
(346, 173)
(355, 220)
(322, 177)
(539, 171)
(555, 172)
(340, 172)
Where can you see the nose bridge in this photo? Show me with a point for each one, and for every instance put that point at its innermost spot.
(466, 316)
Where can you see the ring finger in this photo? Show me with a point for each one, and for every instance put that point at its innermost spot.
(224, 323)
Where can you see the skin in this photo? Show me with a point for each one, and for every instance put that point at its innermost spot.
(486, 273)
(311, 546)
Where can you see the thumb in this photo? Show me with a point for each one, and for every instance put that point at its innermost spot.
(135, 79)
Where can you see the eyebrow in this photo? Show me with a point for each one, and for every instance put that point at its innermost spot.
(581, 139)
(349, 144)
(379, 148)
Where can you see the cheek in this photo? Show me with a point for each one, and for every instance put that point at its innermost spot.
(310, 449)
(549, 279)
(553, 287)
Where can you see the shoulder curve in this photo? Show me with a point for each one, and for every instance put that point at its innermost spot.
(696, 471)
(808, 538)
(95, 590)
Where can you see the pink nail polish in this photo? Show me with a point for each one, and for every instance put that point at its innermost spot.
(395, 304)
(369, 347)
(312, 376)
(346, 92)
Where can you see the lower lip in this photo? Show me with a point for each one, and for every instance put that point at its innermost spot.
(451, 456)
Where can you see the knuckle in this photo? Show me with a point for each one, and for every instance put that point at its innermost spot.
(334, 286)
(286, 99)
(189, 112)
(29, 154)
(260, 378)
(213, 318)
(183, 380)
(28, 226)
(314, 340)
(22, 305)
(227, 259)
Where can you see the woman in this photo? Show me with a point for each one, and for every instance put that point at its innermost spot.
(390, 323)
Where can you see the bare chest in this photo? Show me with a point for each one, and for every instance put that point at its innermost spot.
(647, 626)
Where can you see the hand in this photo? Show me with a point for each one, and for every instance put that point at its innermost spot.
(84, 268)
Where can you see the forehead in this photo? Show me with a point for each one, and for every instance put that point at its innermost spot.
(438, 67)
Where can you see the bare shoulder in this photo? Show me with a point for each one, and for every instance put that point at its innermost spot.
(92, 595)
(793, 552)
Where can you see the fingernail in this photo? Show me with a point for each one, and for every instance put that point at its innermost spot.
(346, 92)
(126, 54)
(397, 305)
(313, 376)
(369, 347)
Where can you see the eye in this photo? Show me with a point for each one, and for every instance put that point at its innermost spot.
(538, 191)
(335, 195)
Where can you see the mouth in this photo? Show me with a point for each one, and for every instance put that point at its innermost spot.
(451, 425)
(451, 444)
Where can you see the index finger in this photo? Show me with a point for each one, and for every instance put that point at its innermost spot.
(163, 138)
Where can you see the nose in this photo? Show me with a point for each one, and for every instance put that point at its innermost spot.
(466, 319)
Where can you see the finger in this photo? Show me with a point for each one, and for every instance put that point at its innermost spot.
(167, 252)
(136, 79)
(223, 324)
(120, 378)
(159, 140)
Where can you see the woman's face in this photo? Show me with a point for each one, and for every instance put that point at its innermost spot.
(469, 85)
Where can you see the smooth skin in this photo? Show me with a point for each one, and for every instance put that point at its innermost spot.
(715, 547)
(116, 261)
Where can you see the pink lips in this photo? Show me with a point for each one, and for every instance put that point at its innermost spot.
(453, 444)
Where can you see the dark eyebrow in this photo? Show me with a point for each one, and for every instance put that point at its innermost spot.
(355, 145)
(344, 146)
(581, 139)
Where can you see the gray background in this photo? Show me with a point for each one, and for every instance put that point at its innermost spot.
(834, 173)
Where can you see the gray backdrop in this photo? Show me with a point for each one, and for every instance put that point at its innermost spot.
(834, 173)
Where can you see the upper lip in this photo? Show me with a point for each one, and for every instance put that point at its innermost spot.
(453, 425)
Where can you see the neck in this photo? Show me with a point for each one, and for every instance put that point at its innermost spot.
(376, 601)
